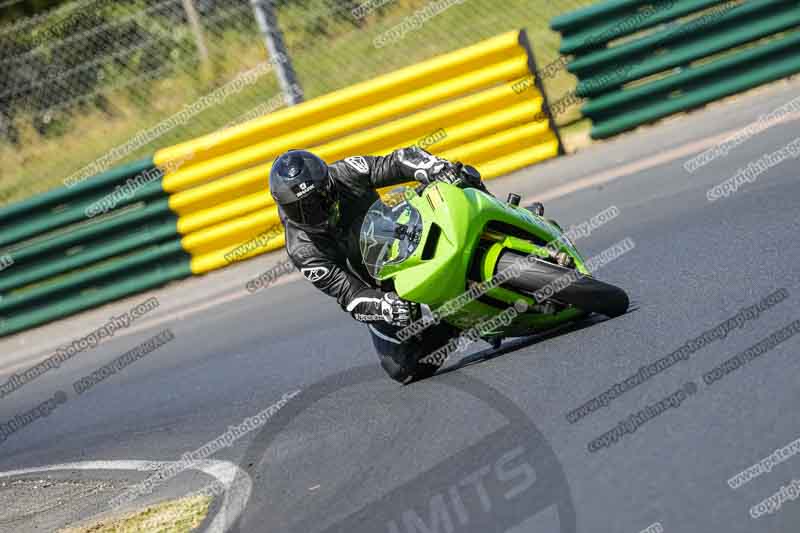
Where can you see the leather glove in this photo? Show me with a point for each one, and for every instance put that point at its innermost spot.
(450, 173)
(421, 165)
(395, 311)
(426, 167)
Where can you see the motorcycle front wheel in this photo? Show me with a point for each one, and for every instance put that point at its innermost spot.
(584, 292)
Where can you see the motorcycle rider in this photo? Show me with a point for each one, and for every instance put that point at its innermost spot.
(322, 208)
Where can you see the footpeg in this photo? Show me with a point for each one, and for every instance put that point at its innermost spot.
(565, 260)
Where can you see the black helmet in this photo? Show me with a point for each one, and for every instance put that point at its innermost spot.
(300, 185)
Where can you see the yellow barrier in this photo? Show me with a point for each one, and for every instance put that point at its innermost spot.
(201, 171)
(348, 100)
(460, 106)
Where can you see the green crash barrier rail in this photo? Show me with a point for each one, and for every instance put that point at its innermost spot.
(639, 61)
(204, 204)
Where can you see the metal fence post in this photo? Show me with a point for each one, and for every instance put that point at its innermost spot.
(197, 30)
(264, 11)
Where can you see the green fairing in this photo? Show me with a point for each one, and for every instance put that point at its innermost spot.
(463, 216)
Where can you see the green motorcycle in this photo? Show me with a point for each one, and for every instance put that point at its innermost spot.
(477, 263)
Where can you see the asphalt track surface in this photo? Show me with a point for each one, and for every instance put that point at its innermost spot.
(485, 445)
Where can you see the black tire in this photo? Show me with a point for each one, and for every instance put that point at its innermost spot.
(406, 372)
(585, 293)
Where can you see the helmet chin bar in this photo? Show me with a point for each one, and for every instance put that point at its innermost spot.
(327, 225)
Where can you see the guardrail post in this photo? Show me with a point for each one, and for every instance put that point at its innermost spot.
(523, 41)
(264, 11)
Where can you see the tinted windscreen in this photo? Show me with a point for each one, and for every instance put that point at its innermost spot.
(389, 235)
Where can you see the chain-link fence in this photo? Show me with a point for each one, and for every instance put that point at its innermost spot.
(91, 75)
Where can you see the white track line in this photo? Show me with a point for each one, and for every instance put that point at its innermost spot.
(643, 164)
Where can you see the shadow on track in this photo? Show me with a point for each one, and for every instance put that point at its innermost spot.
(524, 342)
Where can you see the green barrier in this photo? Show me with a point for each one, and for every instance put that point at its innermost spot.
(721, 48)
(777, 68)
(78, 247)
(62, 195)
(119, 222)
(88, 254)
(77, 212)
(660, 12)
(81, 279)
(632, 51)
(758, 57)
(112, 290)
(587, 15)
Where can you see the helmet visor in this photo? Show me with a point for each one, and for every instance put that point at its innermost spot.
(311, 210)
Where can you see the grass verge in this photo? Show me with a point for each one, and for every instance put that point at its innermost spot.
(175, 516)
